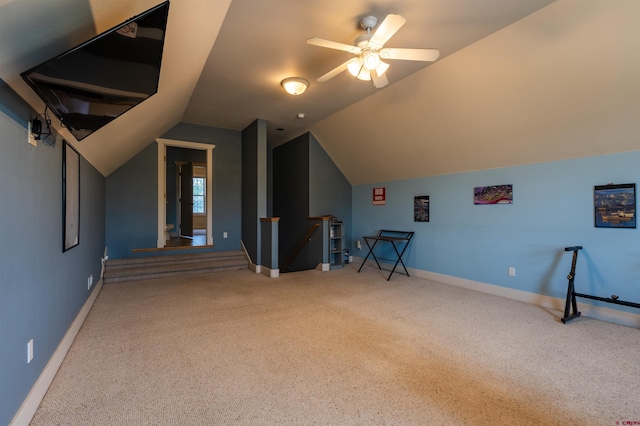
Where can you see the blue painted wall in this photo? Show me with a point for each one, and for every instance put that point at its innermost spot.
(330, 190)
(552, 209)
(132, 204)
(42, 289)
(132, 194)
(227, 179)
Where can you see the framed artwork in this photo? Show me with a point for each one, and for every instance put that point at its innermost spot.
(70, 197)
(615, 205)
(421, 208)
(379, 196)
(494, 194)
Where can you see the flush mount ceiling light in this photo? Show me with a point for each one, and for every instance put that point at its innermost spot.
(295, 85)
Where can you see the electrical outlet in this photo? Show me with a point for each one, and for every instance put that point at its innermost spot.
(224, 235)
(89, 282)
(30, 137)
(512, 271)
(30, 351)
(358, 245)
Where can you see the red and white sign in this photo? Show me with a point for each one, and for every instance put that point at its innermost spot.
(379, 196)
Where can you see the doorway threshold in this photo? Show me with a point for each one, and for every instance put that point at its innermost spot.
(151, 249)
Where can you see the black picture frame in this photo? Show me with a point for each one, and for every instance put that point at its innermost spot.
(70, 197)
(614, 206)
(421, 208)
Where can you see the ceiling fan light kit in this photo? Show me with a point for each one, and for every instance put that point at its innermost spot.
(358, 68)
(295, 85)
(382, 68)
(371, 60)
(369, 49)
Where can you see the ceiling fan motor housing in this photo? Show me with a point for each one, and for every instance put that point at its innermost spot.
(368, 22)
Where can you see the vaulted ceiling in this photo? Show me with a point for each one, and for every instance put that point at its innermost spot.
(224, 60)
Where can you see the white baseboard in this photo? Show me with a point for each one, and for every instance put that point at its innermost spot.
(271, 273)
(258, 269)
(324, 267)
(36, 394)
(598, 312)
(255, 268)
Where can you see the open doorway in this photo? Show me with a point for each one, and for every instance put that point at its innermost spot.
(195, 191)
(186, 198)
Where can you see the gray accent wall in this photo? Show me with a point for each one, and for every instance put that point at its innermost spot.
(291, 196)
(306, 183)
(42, 289)
(254, 186)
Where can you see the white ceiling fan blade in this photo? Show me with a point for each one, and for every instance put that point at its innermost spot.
(337, 70)
(386, 30)
(334, 45)
(379, 81)
(410, 54)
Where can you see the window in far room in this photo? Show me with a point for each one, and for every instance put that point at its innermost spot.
(199, 190)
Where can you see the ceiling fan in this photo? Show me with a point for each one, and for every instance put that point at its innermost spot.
(369, 50)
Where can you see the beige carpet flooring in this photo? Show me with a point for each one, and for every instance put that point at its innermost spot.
(337, 348)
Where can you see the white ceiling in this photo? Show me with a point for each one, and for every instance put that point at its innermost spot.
(263, 42)
(224, 60)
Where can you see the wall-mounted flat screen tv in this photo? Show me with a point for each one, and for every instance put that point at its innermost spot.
(92, 84)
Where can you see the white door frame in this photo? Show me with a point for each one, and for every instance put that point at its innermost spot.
(162, 185)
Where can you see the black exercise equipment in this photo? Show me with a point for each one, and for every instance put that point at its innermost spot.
(571, 292)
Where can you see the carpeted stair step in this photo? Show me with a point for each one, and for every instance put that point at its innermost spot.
(144, 268)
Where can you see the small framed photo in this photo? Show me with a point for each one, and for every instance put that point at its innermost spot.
(421, 208)
(615, 205)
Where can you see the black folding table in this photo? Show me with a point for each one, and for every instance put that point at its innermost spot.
(398, 239)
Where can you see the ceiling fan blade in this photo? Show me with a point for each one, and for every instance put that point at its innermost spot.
(334, 45)
(410, 54)
(337, 70)
(386, 30)
(379, 81)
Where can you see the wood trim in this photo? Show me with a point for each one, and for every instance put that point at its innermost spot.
(269, 219)
(151, 249)
(323, 218)
(162, 185)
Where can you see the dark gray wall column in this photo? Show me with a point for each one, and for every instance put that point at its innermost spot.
(269, 246)
(254, 186)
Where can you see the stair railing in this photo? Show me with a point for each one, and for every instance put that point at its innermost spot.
(303, 242)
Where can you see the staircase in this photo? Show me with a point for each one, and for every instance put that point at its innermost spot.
(144, 268)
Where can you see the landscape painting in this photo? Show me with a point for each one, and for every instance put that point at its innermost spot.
(494, 194)
(615, 206)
